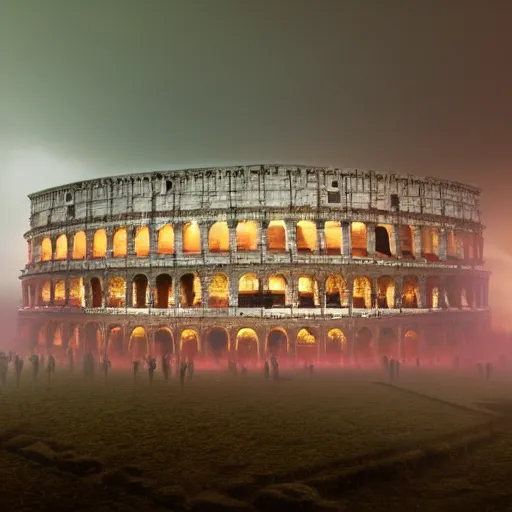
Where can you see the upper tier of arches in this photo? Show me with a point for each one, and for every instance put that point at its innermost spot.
(303, 237)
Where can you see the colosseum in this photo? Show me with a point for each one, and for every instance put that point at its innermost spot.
(306, 263)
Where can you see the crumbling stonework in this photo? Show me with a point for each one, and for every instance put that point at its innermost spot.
(308, 262)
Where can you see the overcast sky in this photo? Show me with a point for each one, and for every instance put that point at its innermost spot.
(91, 88)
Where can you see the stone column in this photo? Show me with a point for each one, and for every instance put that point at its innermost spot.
(346, 238)
(375, 292)
(321, 245)
(109, 232)
(203, 233)
(398, 292)
(105, 289)
(416, 242)
(153, 239)
(263, 239)
(176, 290)
(422, 284)
(205, 292)
(291, 238)
(130, 240)
(178, 240)
(321, 293)
(442, 253)
(89, 243)
(70, 241)
(350, 292)
(87, 291)
(396, 235)
(294, 291)
(232, 235)
(370, 239)
(52, 292)
(66, 295)
(233, 290)
(400, 337)
(129, 291)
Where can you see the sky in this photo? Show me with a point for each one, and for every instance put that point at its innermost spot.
(101, 87)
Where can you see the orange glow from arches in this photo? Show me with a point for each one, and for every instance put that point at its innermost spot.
(218, 237)
(277, 284)
(249, 283)
(116, 292)
(46, 249)
(99, 247)
(46, 293)
(246, 336)
(142, 241)
(120, 244)
(218, 292)
(166, 240)
(61, 248)
(333, 234)
(304, 337)
(189, 337)
(79, 245)
(306, 236)
(59, 293)
(362, 292)
(191, 238)
(247, 236)
(359, 239)
(337, 337)
(276, 236)
(76, 293)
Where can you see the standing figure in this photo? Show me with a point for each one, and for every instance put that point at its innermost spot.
(151, 362)
(50, 367)
(166, 366)
(18, 365)
(34, 359)
(106, 365)
(266, 370)
(275, 367)
(4, 365)
(136, 365)
(183, 373)
(190, 368)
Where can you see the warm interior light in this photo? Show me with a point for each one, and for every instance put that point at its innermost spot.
(191, 238)
(99, 246)
(166, 240)
(218, 237)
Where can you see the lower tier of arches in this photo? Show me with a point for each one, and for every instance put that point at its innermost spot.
(250, 340)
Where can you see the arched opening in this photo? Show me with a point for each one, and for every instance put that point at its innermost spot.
(116, 292)
(276, 236)
(363, 351)
(433, 292)
(451, 245)
(410, 292)
(306, 347)
(307, 292)
(191, 238)
(140, 291)
(406, 239)
(247, 236)
(96, 293)
(79, 246)
(336, 345)
(383, 241)
(61, 247)
(249, 295)
(430, 243)
(166, 240)
(164, 343)
(116, 349)
(164, 295)
(138, 346)
(120, 243)
(358, 237)
(142, 241)
(59, 293)
(307, 238)
(46, 293)
(218, 291)
(388, 343)
(386, 292)
(410, 346)
(99, 244)
(335, 292)
(247, 345)
(46, 249)
(190, 291)
(333, 237)
(93, 341)
(29, 251)
(218, 342)
(362, 293)
(218, 237)
(277, 342)
(189, 344)
(276, 296)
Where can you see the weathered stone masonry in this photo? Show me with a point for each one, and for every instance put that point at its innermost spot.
(307, 262)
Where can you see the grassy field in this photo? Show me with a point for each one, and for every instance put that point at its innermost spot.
(220, 440)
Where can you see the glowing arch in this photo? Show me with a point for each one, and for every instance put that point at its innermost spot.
(190, 291)
(120, 243)
(307, 238)
(79, 245)
(247, 236)
(276, 236)
(277, 342)
(247, 344)
(191, 238)
(359, 235)
(166, 240)
(218, 237)
(61, 247)
(333, 237)
(138, 344)
(218, 291)
(142, 241)
(116, 292)
(99, 245)
(362, 292)
(59, 293)
(46, 249)
(336, 291)
(190, 344)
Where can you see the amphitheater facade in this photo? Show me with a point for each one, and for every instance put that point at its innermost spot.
(308, 263)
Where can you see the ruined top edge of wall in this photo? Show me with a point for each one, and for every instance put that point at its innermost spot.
(194, 172)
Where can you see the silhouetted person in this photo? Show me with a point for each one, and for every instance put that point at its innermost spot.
(266, 370)
(166, 366)
(183, 373)
(275, 367)
(151, 369)
(50, 367)
(18, 366)
(34, 359)
(190, 368)
(106, 365)
(4, 365)
(135, 365)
